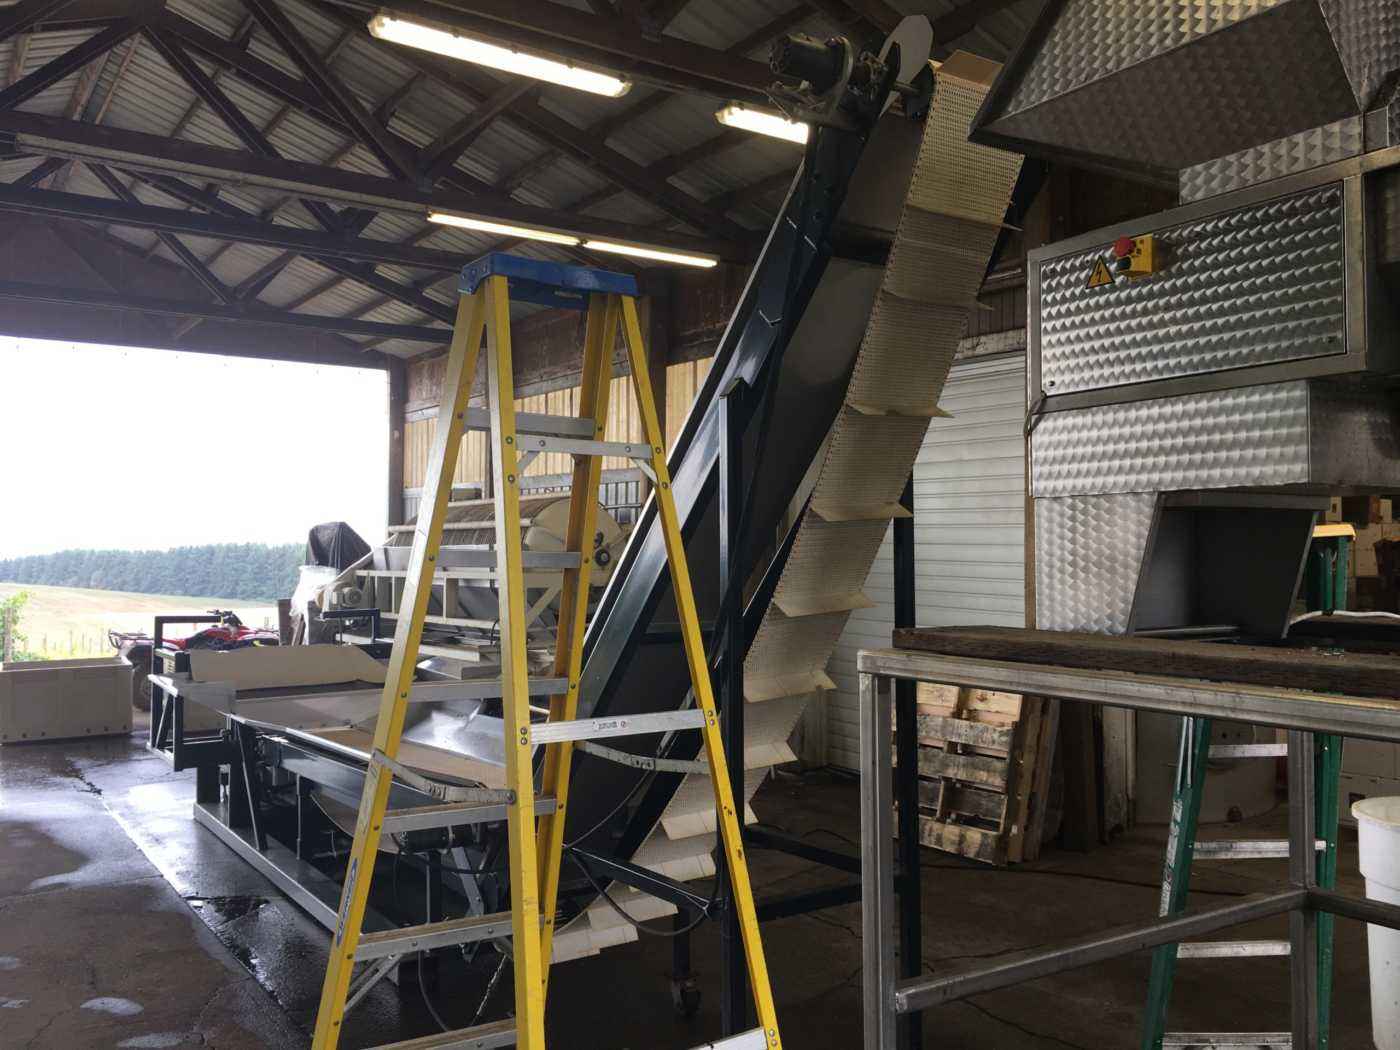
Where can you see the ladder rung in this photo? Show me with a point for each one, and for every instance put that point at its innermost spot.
(623, 725)
(433, 935)
(535, 423)
(1236, 1040)
(1231, 949)
(1249, 751)
(586, 447)
(482, 1037)
(1246, 849)
(471, 564)
(452, 814)
(751, 1040)
(481, 525)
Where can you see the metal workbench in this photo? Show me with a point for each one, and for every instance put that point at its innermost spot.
(888, 996)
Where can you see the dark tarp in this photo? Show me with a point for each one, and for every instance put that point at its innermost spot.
(336, 544)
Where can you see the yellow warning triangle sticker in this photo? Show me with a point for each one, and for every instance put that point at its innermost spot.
(1102, 276)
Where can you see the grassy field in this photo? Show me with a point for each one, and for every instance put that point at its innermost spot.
(64, 622)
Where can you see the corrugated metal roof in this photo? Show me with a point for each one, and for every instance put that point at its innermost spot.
(134, 88)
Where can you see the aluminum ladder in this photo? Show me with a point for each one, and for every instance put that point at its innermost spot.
(535, 821)
(1321, 782)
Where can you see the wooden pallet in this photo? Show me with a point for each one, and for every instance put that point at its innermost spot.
(984, 771)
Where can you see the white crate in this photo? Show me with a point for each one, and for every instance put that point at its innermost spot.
(1355, 787)
(59, 699)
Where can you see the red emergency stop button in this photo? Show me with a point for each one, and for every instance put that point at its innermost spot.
(1123, 247)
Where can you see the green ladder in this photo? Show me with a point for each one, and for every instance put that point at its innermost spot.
(1194, 752)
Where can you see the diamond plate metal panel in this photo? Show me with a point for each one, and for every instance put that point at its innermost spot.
(1355, 435)
(1088, 551)
(1255, 435)
(1368, 35)
(1285, 156)
(1254, 286)
(1095, 38)
(1160, 85)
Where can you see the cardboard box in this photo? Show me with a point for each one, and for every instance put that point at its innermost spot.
(1364, 549)
(1354, 788)
(1371, 758)
(1366, 510)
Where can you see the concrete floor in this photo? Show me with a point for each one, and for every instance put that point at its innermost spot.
(122, 924)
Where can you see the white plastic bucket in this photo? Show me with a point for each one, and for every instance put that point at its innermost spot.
(1378, 825)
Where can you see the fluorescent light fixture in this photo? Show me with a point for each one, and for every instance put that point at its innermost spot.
(763, 122)
(466, 222)
(685, 258)
(453, 44)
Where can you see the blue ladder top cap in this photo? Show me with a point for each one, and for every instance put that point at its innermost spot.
(554, 284)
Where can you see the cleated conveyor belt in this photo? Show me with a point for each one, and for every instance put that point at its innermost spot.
(951, 199)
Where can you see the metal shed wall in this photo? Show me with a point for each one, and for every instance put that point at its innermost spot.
(969, 531)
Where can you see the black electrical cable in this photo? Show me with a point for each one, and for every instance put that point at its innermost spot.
(641, 926)
(614, 812)
(423, 988)
(412, 856)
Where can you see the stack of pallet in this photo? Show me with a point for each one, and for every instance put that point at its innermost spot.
(984, 772)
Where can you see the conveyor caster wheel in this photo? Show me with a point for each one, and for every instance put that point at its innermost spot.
(685, 997)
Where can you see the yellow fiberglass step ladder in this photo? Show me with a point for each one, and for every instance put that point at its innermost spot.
(535, 821)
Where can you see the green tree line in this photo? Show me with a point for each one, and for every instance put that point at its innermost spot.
(249, 571)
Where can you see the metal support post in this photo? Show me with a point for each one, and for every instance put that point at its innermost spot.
(906, 785)
(206, 782)
(735, 1010)
(877, 865)
(304, 787)
(1327, 785)
(1302, 874)
(685, 992)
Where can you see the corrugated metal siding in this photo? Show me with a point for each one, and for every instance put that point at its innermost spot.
(969, 529)
(151, 97)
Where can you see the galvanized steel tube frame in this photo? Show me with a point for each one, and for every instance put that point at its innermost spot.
(888, 997)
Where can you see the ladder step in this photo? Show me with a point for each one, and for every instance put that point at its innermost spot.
(452, 814)
(1231, 949)
(470, 565)
(1249, 751)
(482, 525)
(585, 447)
(433, 935)
(535, 424)
(623, 725)
(751, 1040)
(482, 1037)
(1246, 849)
(1237, 1040)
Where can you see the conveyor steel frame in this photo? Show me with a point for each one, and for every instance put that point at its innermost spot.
(890, 996)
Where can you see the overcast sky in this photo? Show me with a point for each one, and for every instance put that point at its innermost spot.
(148, 449)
